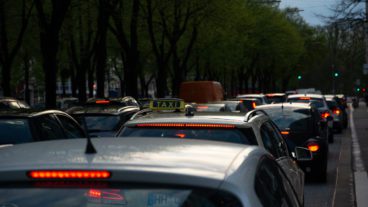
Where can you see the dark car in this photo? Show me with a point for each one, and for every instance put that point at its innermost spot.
(12, 103)
(20, 126)
(103, 117)
(300, 124)
(341, 108)
(318, 101)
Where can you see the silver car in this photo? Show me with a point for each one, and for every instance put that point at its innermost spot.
(142, 172)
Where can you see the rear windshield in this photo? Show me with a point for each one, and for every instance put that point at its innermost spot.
(127, 197)
(316, 102)
(239, 136)
(101, 123)
(14, 131)
(295, 120)
(275, 99)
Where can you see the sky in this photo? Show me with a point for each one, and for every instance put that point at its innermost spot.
(311, 9)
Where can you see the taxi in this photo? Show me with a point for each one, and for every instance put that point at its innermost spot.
(142, 172)
(252, 128)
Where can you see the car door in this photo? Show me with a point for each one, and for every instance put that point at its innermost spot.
(48, 128)
(272, 188)
(275, 144)
(71, 127)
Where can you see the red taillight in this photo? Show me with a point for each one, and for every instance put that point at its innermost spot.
(254, 104)
(313, 147)
(202, 107)
(304, 98)
(186, 125)
(102, 102)
(326, 114)
(180, 135)
(337, 111)
(69, 174)
(285, 132)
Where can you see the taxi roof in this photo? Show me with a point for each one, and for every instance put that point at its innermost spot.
(305, 95)
(285, 105)
(198, 117)
(168, 161)
(26, 113)
(102, 109)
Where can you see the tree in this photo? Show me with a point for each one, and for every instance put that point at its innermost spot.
(9, 21)
(50, 17)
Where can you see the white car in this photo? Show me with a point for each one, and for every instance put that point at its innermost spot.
(142, 172)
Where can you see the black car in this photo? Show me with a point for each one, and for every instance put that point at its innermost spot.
(341, 108)
(21, 126)
(318, 101)
(300, 124)
(104, 117)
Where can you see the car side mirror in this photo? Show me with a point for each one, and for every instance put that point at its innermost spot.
(303, 154)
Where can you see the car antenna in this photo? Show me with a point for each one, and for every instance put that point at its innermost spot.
(90, 149)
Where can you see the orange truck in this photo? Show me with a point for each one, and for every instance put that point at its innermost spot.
(201, 91)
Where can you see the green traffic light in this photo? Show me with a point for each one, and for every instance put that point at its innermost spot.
(358, 89)
(299, 77)
(336, 74)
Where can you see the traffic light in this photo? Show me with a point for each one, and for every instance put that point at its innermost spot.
(299, 77)
(336, 74)
(358, 89)
(363, 89)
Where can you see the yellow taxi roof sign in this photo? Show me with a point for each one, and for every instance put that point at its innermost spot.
(167, 104)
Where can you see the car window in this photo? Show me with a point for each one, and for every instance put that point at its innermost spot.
(244, 136)
(102, 122)
(295, 120)
(316, 102)
(271, 140)
(269, 186)
(118, 196)
(49, 128)
(15, 131)
(71, 129)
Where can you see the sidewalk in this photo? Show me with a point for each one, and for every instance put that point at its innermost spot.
(344, 188)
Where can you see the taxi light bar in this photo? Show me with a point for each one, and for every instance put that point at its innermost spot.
(69, 174)
(313, 147)
(102, 102)
(194, 125)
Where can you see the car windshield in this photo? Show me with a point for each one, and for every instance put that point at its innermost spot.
(295, 120)
(211, 107)
(102, 123)
(243, 136)
(108, 197)
(14, 131)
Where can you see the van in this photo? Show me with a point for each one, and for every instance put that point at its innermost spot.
(201, 91)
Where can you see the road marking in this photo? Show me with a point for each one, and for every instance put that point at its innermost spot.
(360, 175)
